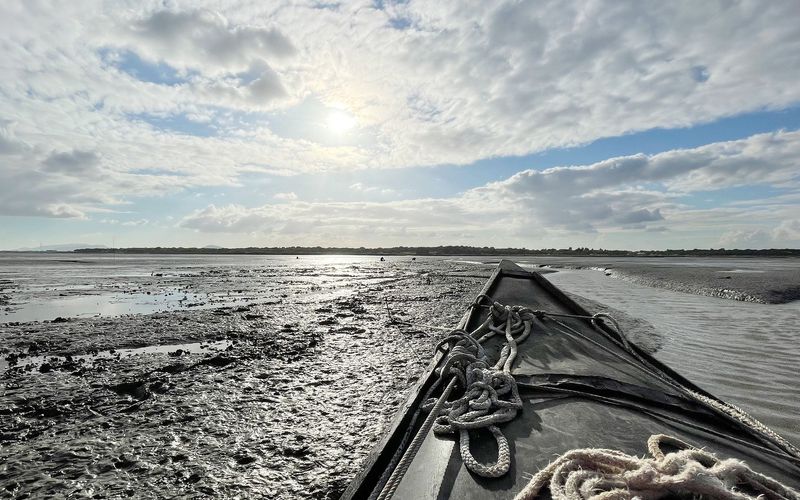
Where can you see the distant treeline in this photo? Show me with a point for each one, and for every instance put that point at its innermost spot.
(450, 250)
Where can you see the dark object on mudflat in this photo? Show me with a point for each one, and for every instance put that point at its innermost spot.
(219, 360)
(581, 385)
(137, 389)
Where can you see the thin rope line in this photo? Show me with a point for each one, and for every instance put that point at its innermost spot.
(397, 475)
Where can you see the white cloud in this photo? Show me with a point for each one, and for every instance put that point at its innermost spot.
(582, 201)
(204, 39)
(456, 85)
(360, 187)
(343, 223)
(745, 238)
(74, 183)
(9, 144)
(137, 222)
(285, 196)
(428, 83)
(610, 193)
(785, 234)
(787, 230)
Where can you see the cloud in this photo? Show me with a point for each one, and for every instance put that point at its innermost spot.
(451, 83)
(137, 222)
(612, 191)
(617, 195)
(341, 221)
(760, 159)
(428, 83)
(746, 238)
(72, 184)
(205, 40)
(220, 62)
(9, 144)
(640, 216)
(363, 188)
(262, 90)
(285, 196)
(74, 162)
(787, 230)
(468, 87)
(785, 234)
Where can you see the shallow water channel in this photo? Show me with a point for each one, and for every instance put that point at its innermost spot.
(743, 352)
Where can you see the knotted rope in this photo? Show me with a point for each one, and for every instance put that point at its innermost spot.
(490, 394)
(601, 474)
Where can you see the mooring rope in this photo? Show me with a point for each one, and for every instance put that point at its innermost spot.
(490, 394)
(601, 474)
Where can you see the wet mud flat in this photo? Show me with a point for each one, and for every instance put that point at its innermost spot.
(766, 287)
(281, 396)
(762, 280)
(254, 378)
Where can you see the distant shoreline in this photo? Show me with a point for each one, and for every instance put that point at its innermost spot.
(447, 251)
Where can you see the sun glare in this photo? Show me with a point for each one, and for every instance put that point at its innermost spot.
(340, 121)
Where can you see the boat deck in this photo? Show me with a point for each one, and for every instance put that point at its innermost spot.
(580, 389)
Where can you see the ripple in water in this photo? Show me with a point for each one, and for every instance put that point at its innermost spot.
(742, 352)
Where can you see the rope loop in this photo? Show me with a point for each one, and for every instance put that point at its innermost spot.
(599, 474)
(490, 394)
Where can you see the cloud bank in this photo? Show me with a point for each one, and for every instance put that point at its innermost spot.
(433, 83)
(640, 192)
(134, 101)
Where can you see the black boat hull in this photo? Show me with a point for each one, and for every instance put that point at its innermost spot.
(580, 389)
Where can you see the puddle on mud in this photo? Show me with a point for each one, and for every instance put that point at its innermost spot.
(27, 362)
(103, 304)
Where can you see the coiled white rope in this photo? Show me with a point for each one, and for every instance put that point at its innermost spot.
(601, 474)
(490, 394)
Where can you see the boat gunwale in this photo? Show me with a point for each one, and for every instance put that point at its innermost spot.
(379, 459)
(382, 453)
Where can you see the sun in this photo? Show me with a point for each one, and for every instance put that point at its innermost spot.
(340, 121)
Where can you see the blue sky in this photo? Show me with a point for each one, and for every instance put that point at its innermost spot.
(366, 124)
